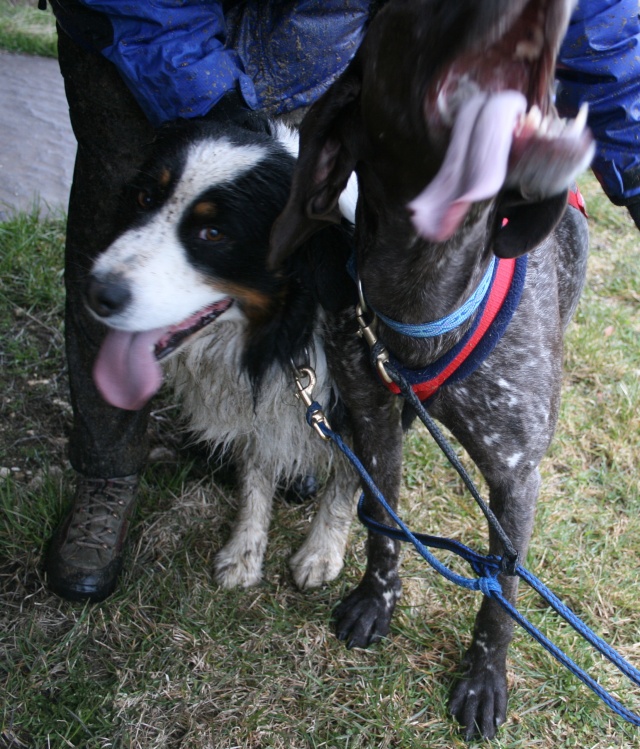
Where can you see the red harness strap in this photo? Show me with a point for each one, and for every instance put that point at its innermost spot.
(499, 290)
(577, 201)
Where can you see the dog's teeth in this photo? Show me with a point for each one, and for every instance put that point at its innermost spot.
(577, 126)
(443, 109)
(549, 127)
(543, 127)
(534, 117)
(556, 127)
(530, 49)
(531, 123)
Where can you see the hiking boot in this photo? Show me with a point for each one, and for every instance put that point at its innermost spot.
(85, 554)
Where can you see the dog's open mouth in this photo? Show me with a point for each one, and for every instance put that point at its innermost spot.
(127, 371)
(489, 100)
(178, 334)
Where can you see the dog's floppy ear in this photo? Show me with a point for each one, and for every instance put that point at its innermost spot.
(520, 225)
(323, 169)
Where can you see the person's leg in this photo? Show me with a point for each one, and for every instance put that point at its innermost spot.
(108, 447)
(634, 210)
(599, 63)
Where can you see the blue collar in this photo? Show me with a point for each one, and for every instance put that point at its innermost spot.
(444, 324)
(494, 314)
(449, 322)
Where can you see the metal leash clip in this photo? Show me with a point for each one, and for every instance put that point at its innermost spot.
(368, 333)
(305, 394)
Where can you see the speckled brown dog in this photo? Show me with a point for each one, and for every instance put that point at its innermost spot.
(445, 115)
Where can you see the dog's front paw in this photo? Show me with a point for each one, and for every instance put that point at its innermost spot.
(364, 617)
(479, 700)
(239, 564)
(312, 566)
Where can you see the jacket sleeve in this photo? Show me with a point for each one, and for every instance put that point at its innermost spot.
(172, 55)
(179, 57)
(294, 49)
(599, 63)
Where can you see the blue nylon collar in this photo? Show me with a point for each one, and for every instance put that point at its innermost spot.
(449, 322)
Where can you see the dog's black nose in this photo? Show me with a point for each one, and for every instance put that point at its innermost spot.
(107, 297)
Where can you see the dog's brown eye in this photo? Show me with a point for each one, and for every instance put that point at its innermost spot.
(145, 199)
(210, 234)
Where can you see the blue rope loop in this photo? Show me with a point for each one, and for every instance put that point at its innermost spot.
(489, 586)
(312, 409)
(488, 568)
(485, 567)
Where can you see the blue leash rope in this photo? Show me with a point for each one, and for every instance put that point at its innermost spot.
(487, 567)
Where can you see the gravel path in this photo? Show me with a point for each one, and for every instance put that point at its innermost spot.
(37, 147)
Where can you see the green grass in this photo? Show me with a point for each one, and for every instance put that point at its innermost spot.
(171, 661)
(26, 29)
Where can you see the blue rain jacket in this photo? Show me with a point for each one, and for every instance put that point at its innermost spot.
(179, 57)
(599, 63)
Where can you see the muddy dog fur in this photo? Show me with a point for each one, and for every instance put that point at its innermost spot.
(185, 284)
(423, 65)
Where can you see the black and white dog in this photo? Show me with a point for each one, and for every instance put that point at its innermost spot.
(445, 115)
(186, 281)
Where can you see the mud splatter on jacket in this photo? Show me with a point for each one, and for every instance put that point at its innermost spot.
(179, 57)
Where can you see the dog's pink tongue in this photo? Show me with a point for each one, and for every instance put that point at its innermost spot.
(126, 371)
(474, 167)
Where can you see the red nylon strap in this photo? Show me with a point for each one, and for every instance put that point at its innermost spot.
(577, 201)
(499, 291)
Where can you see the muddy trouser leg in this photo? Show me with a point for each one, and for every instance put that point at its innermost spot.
(108, 446)
(634, 210)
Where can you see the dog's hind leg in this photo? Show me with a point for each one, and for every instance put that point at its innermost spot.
(321, 556)
(479, 699)
(239, 562)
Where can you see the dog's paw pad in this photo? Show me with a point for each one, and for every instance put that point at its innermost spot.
(311, 569)
(479, 701)
(237, 570)
(364, 617)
